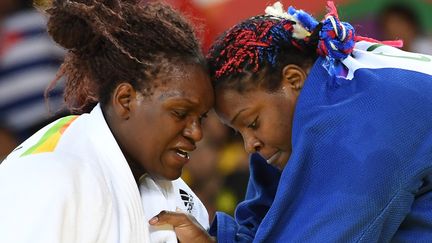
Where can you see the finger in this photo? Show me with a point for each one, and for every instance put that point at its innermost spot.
(168, 217)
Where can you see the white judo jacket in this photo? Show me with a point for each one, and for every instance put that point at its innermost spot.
(70, 182)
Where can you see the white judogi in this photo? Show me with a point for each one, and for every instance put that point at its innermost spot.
(71, 183)
(172, 196)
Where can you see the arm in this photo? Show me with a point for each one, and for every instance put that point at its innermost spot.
(341, 200)
(420, 218)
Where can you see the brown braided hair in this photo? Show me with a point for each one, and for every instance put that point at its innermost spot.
(113, 41)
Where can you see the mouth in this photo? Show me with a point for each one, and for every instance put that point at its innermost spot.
(183, 153)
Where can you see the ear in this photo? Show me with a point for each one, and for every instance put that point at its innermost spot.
(122, 100)
(293, 77)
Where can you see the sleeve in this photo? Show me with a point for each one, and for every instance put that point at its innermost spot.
(39, 203)
(417, 226)
(260, 193)
(342, 200)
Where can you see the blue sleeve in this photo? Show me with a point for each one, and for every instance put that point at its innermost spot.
(417, 226)
(260, 193)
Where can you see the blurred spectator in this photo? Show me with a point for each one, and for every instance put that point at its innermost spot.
(28, 62)
(400, 21)
(234, 167)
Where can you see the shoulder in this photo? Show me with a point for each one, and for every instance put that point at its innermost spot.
(46, 195)
(49, 174)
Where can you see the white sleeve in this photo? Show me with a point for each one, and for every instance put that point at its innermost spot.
(39, 202)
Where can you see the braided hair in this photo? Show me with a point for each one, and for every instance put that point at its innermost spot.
(113, 41)
(254, 52)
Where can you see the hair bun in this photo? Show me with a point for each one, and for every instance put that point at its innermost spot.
(69, 26)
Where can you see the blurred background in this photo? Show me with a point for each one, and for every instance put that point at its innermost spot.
(218, 171)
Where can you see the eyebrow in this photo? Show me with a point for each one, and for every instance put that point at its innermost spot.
(170, 94)
(236, 116)
(177, 95)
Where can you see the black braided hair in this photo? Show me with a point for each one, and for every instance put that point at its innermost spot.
(253, 53)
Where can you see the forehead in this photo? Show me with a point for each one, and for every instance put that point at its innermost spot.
(229, 102)
(185, 81)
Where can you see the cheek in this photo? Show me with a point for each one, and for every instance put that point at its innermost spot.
(165, 135)
(149, 136)
(281, 133)
(280, 130)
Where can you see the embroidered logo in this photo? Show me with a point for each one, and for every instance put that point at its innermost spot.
(187, 200)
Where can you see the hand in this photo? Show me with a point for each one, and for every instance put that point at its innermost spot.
(185, 226)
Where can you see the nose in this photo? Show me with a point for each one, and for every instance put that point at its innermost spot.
(252, 144)
(193, 131)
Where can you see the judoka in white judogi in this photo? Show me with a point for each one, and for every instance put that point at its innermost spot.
(79, 188)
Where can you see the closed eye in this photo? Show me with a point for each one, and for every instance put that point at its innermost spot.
(254, 124)
(180, 114)
(202, 117)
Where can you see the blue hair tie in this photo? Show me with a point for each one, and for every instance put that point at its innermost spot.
(305, 19)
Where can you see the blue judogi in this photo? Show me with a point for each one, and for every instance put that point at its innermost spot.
(361, 167)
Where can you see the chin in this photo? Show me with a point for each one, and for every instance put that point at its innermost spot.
(173, 175)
